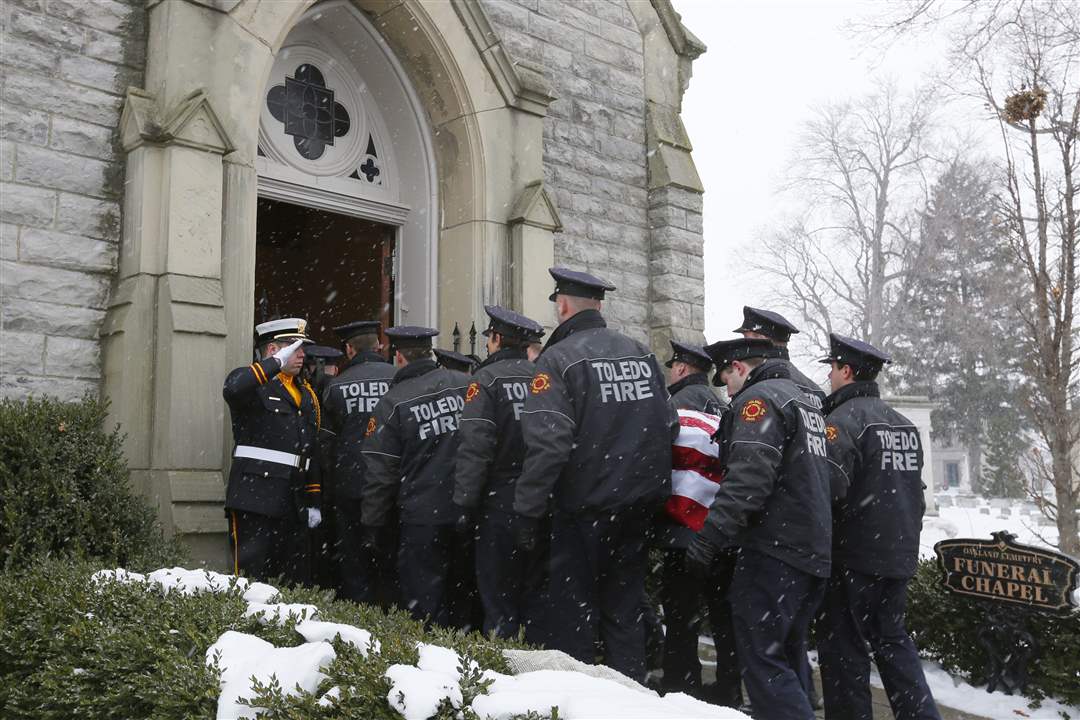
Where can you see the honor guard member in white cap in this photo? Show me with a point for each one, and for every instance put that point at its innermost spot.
(274, 487)
(454, 361)
(775, 327)
(348, 402)
(490, 454)
(774, 505)
(877, 461)
(688, 379)
(409, 447)
(598, 429)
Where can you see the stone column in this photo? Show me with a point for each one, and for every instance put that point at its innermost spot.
(676, 247)
(917, 409)
(165, 330)
(533, 221)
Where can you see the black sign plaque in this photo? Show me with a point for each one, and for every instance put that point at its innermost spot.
(1005, 571)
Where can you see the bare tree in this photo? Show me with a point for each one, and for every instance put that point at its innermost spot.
(860, 170)
(1022, 59)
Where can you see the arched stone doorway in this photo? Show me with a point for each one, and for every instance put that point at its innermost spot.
(343, 136)
(182, 310)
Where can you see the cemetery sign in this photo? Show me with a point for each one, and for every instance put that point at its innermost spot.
(1005, 571)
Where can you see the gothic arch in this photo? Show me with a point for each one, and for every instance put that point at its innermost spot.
(181, 312)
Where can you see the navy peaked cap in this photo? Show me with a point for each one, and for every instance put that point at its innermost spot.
(691, 354)
(768, 323)
(849, 351)
(359, 327)
(322, 352)
(512, 324)
(453, 360)
(725, 352)
(411, 335)
(578, 284)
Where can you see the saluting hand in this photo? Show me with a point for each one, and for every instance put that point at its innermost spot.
(285, 354)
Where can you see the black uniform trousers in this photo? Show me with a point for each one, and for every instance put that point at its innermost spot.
(772, 604)
(685, 599)
(355, 564)
(264, 548)
(597, 577)
(510, 584)
(433, 573)
(861, 610)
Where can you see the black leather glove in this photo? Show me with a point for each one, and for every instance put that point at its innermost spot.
(526, 534)
(699, 557)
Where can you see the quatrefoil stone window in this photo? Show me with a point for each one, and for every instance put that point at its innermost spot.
(307, 109)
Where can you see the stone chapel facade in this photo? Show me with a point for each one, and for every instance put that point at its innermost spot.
(173, 171)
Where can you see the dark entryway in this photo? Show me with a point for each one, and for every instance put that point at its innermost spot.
(328, 268)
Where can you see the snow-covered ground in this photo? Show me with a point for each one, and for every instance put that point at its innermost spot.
(416, 691)
(987, 517)
(981, 517)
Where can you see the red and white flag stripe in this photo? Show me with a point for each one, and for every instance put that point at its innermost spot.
(695, 473)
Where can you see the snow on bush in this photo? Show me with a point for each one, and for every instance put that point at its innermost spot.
(178, 644)
(245, 658)
(316, 630)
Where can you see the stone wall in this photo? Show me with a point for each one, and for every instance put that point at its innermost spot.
(65, 65)
(594, 138)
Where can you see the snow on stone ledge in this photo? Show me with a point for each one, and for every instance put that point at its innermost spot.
(316, 630)
(243, 656)
(578, 696)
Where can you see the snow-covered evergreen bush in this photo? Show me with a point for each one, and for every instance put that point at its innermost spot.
(72, 647)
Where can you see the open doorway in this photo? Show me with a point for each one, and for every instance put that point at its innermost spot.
(328, 268)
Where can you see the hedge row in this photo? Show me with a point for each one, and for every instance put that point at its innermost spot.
(69, 648)
(946, 629)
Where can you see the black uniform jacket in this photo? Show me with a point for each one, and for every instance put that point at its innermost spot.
(693, 392)
(597, 423)
(876, 455)
(409, 446)
(265, 415)
(490, 446)
(348, 403)
(814, 394)
(775, 495)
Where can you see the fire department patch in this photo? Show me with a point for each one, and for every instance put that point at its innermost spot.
(831, 432)
(753, 411)
(370, 427)
(540, 383)
(472, 392)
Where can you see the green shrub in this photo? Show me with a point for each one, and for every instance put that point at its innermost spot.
(946, 629)
(65, 489)
(69, 649)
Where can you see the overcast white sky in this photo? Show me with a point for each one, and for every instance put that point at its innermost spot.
(769, 62)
